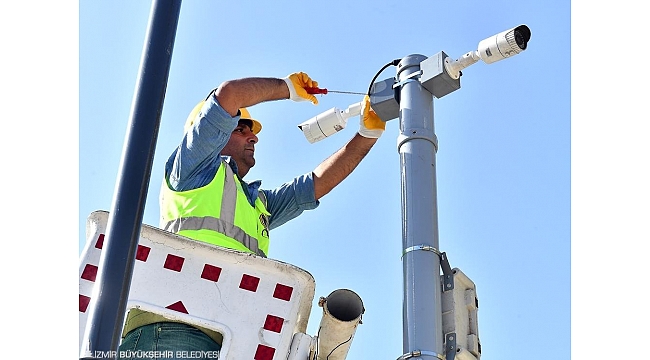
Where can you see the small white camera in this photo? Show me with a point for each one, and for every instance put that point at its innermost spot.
(498, 47)
(504, 44)
(329, 122)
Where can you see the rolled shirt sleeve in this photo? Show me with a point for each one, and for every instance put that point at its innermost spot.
(291, 199)
(195, 161)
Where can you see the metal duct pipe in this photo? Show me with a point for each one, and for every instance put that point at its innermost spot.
(342, 311)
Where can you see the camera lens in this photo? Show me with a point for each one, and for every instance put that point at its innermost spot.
(521, 41)
(522, 35)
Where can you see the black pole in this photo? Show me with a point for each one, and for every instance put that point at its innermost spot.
(107, 310)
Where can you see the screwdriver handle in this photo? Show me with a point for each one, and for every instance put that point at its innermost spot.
(315, 90)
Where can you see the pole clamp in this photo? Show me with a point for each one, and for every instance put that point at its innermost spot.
(448, 275)
(421, 247)
(408, 78)
(416, 353)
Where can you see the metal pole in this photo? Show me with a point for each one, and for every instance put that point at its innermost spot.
(417, 146)
(107, 309)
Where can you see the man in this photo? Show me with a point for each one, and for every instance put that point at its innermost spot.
(204, 196)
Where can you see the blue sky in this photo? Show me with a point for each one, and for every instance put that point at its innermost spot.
(515, 150)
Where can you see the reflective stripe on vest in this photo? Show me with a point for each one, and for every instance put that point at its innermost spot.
(215, 224)
(225, 224)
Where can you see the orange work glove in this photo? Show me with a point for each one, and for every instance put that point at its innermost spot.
(370, 125)
(297, 82)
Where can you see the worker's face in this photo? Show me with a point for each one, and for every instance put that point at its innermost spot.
(241, 147)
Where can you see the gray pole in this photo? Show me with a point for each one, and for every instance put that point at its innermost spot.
(417, 146)
(107, 309)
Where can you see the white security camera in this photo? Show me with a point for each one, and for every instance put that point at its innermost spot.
(498, 47)
(330, 122)
(505, 44)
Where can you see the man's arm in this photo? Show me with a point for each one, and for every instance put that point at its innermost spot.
(338, 166)
(235, 94)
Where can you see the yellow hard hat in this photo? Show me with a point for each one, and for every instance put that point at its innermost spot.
(245, 115)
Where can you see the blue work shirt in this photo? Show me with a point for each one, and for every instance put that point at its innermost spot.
(195, 162)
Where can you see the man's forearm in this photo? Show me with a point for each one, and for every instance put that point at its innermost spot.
(337, 167)
(235, 94)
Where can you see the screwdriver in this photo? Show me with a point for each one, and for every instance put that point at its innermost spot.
(315, 90)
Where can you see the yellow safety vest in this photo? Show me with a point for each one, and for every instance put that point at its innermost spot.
(218, 213)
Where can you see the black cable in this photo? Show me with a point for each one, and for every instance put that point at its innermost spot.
(394, 63)
(337, 346)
